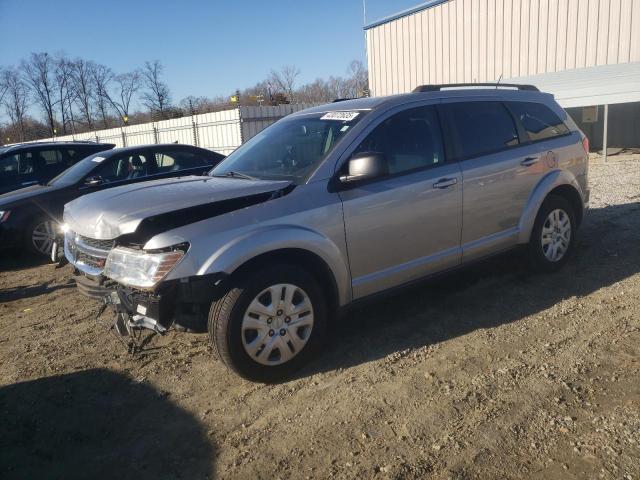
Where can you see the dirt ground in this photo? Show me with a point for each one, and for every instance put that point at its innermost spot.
(492, 372)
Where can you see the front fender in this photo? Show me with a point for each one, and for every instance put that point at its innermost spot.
(234, 254)
(552, 180)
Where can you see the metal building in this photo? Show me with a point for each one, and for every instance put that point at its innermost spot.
(576, 49)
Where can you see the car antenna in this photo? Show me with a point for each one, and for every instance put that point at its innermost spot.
(498, 82)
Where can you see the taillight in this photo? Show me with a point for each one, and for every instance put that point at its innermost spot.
(585, 144)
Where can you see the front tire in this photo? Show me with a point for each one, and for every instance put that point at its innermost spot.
(40, 236)
(270, 323)
(553, 236)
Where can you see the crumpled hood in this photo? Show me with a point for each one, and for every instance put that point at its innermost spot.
(117, 211)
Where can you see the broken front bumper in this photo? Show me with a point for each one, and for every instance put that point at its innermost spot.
(182, 304)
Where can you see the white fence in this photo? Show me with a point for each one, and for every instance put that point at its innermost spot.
(219, 131)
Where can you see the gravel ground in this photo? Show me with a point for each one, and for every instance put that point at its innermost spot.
(492, 372)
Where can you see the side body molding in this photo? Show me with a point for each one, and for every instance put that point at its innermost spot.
(552, 180)
(271, 238)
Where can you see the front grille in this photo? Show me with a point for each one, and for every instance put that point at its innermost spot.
(89, 260)
(87, 254)
(99, 244)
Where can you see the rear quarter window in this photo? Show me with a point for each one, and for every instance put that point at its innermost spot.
(478, 128)
(538, 120)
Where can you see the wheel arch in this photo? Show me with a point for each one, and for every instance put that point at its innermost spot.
(572, 195)
(299, 257)
(288, 244)
(558, 182)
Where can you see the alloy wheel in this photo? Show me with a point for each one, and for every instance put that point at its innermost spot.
(43, 236)
(556, 235)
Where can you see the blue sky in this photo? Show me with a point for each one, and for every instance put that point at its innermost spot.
(207, 47)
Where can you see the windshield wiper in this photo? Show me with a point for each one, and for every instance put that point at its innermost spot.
(233, 174)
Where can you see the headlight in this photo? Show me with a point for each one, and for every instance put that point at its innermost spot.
(4, 215)
(138, 268)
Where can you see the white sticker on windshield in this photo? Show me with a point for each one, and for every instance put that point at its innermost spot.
(98, 159)
(344, 116)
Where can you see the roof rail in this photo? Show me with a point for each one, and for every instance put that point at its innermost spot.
(437, 88)
(342, 99)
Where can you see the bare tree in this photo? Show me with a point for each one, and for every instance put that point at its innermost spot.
(39, 73)
(194, 105)
(358, 79)
(3, 86)
(126, 85)
(83, 87)
(16, 99)
(157, 97)
(101, 78)
(338, 87)
(315, 92)
(285, 79)
(64, 91)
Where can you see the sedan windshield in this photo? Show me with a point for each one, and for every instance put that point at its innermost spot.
(291, 149)
(78, 171)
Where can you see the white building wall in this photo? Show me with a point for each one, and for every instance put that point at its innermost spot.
(480, 40)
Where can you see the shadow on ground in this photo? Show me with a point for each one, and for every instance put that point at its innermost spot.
(493, 293)
(98, 424)
(18, 293)
(14, 259)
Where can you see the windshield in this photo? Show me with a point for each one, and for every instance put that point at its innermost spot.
(78, 171)
(291, 149)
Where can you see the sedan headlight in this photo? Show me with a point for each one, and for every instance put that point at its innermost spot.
(141, 269)
(4, 215)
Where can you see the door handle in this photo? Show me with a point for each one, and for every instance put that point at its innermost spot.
(529, 161)
(26, 184)
(445, 183)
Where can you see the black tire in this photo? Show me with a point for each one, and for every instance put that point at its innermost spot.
(226, 316)
(536, 254)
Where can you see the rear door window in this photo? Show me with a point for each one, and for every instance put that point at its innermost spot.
(175, 160)
(538, 120)
(17, 165)
(123, 167)
(51, 157)
(478, 128)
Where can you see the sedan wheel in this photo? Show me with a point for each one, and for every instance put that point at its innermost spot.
(43, 236)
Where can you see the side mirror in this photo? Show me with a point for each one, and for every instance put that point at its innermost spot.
(365, 166)
(93, 181)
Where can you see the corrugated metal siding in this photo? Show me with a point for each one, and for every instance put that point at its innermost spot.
(480, 40)
(219, 131)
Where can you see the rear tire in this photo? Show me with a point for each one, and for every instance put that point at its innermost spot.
(269, 323)
(553, 236)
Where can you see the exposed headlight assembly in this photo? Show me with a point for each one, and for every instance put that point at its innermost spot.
(141, 269)
(4, 215)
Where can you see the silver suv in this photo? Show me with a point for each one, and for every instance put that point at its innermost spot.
(330, 206)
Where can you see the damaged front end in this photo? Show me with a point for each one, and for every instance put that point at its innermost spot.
(182, 305)
(130, 282)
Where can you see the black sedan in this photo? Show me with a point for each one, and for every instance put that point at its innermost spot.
(29, 217)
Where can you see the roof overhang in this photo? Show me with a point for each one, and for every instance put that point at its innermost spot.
(404, 13)
(581, 87)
